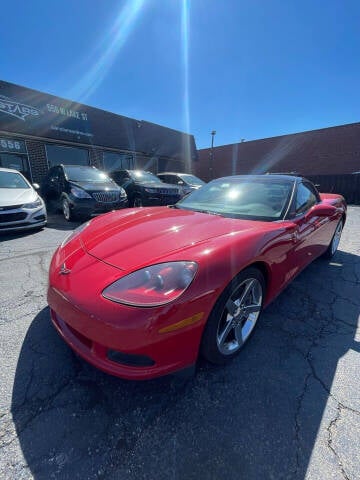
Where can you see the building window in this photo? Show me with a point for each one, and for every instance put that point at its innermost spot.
(117, 161)
(16, 162)
(59, 154)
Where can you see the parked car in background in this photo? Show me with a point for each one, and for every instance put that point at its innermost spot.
(145, 189)
(187, 181)
(81, 191)
(21, 207)
(170, 283)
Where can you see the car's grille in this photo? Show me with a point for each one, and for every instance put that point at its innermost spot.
(12, 217)
(10, 207)
(168, 191)
(106, 197)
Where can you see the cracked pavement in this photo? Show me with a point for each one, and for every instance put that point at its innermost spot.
(287, 408)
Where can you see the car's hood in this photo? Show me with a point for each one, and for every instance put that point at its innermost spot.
(16, 196)
(143, 236)
(96, 186)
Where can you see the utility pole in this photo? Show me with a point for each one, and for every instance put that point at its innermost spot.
(211, 163)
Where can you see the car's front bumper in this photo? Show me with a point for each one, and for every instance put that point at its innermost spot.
(130, 352)
(159, 200)
(17, 219)
(128, 342)
(89, 207)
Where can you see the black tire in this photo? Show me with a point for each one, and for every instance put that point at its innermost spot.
(223, 313)
(333, 246)
(138, 202)
(67, 212)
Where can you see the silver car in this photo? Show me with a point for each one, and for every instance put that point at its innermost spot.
(21, 207)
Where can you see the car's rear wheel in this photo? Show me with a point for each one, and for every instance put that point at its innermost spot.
(331, 250)
(138, 202)
(234, 317)
(68, 215)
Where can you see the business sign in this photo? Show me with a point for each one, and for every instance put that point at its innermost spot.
(16, 109)
(24, 111)
(10, 145)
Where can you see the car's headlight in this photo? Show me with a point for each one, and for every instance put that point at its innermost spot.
(35, 204)
(122, 192)
(74, 233)
(152, 286)
(150, 190)
(79, 192)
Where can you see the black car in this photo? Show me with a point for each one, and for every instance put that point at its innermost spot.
(145, 189)
(186, 181)
(82, 191)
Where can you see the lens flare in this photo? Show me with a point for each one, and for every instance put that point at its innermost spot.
(108, 50)
(185, 63)
(279, 152)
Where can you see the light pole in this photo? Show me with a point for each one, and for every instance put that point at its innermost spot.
(211, 163)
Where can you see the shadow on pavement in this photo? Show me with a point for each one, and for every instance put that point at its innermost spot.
(256, 418)
(58, 222)
(56, 219)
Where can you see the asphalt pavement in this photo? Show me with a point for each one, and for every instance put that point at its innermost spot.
(287, 408)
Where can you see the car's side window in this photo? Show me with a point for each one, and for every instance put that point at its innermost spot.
(313, 190)
(305, 199)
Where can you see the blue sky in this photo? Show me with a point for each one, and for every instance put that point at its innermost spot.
(245, 68)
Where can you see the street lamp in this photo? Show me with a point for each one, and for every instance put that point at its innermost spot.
(211, 163)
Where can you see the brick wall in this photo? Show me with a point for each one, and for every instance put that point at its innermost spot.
(37, 159)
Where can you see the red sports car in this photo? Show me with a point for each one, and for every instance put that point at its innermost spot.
(142, 292)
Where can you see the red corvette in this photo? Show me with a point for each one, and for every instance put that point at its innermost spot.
(141, 292)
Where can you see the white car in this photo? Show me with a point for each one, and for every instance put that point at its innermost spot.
(21, 207)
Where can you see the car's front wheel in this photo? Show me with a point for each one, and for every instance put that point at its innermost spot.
(138, 202)
(331, 250)
(68, 215)
(234, 317)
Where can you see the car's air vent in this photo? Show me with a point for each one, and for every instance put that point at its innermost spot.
(106, 197)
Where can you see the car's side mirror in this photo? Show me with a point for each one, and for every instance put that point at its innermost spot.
(36, 186)
(321, 210)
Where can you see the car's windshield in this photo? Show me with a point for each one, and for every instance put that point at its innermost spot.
(141, 176)
(12, 180)
(86, 174)
(253, 199)
(191, 179)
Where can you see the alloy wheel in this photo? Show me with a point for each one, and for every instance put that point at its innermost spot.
(66, 209)
(239, 317)
(336, 238)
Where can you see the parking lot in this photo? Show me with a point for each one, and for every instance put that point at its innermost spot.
(288, 407)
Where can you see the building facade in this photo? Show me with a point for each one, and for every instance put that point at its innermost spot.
(327, 151)
(38, 130)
